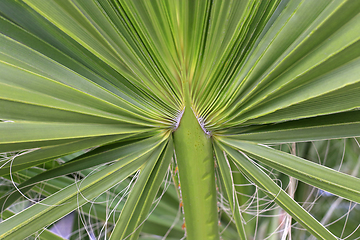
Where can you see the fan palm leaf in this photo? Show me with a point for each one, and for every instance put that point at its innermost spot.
(132, 87)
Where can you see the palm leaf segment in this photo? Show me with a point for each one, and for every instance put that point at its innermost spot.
(120, 77)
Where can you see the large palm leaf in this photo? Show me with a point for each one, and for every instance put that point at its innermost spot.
(133, 81)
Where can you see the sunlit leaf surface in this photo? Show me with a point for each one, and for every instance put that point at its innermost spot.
(149, 118)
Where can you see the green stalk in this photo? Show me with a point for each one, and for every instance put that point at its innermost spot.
(197, 176)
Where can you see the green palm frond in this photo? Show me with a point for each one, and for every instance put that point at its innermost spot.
(98, 95)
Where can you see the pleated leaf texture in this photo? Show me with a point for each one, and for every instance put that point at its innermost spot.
(168, 99)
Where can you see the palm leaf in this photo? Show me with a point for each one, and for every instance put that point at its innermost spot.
(105, 86)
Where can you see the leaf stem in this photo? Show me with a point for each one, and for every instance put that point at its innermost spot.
(197, 176)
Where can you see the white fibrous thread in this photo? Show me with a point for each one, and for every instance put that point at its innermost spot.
(178, 119)
(200, 121)
(202, 125)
